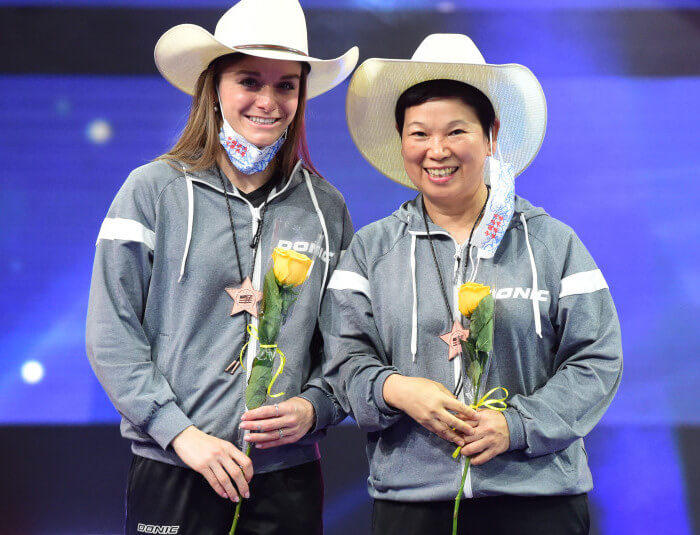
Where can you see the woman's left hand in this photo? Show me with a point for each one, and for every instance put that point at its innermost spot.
(491, 437)
(283, 423)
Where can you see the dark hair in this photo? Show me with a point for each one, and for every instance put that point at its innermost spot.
(437, 89)
(198, 145)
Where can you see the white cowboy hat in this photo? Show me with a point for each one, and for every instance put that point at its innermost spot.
(376, 85)
(273, 29)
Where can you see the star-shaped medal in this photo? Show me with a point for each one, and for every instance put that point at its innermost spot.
(453, 338)
(245, 298)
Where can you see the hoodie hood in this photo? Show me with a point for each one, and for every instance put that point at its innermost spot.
(410, 213)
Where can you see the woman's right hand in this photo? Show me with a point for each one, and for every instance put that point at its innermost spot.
(430, 404)
(217, 460)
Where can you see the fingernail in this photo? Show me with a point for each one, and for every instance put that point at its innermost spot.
(247, 495)
(235, 498)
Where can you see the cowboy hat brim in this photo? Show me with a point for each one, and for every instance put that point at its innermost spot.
(514, 92)
(185, 51)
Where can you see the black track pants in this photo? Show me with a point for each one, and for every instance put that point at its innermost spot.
(498, 515)
(162, 498)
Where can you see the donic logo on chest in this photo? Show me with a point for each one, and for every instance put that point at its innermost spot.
(520, 293)
(305, 247)
(153, 528)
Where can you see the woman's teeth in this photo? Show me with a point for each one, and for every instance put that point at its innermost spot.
(261, 120)
(441, 172)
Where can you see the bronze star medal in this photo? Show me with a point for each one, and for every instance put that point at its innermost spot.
(452, 339)
(245, 298)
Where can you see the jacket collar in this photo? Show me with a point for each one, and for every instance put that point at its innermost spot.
(210, 178)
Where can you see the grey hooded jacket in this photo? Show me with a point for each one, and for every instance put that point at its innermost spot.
(557, 350)
(159, 333)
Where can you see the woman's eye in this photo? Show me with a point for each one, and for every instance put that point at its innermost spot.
(286, 86)
(249, 82)
(457, 132)
(417, 133)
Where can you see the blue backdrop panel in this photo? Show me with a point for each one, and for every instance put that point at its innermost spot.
(618, 164)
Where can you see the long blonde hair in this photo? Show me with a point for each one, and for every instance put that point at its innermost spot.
(198, 146)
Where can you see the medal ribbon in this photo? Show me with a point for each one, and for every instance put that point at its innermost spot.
(450, 319)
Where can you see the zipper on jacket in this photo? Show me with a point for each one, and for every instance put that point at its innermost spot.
(468, 492)
(455, 273)
(458, 361)
(253, 342)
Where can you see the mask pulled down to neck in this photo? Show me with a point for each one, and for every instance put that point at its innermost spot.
(244, 155)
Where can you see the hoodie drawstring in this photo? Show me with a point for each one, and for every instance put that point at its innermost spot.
(475, 266)
(534, 294)
(190, 219)
(310, 187)
(414, 314)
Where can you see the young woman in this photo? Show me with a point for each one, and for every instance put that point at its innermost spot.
(459, 130)
(182, 239)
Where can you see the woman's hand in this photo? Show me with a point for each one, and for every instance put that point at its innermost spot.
(431, 405)
(283, 423)
(491, 437)
(217, 460)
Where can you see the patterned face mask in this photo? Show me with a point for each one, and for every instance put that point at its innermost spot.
(245, 156)
(499, 209)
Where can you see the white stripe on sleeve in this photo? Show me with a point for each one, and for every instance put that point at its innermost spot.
(584, 282)
(117, 228)
(348, 280)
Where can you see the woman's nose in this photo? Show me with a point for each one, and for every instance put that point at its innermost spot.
(265, 99)
(438, 149)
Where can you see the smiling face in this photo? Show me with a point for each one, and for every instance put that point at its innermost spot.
(444, 148)
(260, 97)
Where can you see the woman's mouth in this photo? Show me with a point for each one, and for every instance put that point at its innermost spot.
(262, 121)
(440, 175)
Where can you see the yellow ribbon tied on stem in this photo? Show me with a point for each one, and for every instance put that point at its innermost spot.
(486, 401)
(253, 332)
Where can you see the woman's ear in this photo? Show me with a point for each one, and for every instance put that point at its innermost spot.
(493, 137)
(398, 130)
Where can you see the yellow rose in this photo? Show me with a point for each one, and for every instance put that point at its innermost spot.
(470, 295)
(290, 268)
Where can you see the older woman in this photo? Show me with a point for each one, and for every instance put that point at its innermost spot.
(459, 130)
(178, 269)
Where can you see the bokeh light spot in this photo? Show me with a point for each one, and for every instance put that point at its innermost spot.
(32, 372)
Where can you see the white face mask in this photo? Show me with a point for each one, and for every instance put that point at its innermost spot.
(499, 208)
(244, 155)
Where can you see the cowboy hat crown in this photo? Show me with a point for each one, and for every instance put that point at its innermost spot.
(273, 29)
(264, 22)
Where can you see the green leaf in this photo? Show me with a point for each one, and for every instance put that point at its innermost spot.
(469, 349)
(260, 377)
(289, 295)
(481, 325)
(474, 372)
(271, 317)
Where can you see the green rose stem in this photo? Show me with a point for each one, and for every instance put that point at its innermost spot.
(240, 500)
(458, 498)
(476, 348)
(261, 374)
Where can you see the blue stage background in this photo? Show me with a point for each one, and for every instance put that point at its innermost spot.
(620, 164)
